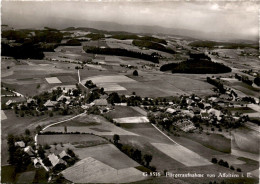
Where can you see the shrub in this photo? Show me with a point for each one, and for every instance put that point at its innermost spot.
(214, 160)
(135, 73)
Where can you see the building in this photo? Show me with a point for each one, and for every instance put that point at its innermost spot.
(20, 144)
(50, 104)
(9, 102)
(100, 102)
(55, 160)
(29, 151)
(171, 111)
(63, 155)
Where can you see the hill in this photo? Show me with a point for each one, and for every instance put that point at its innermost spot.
(197, 64)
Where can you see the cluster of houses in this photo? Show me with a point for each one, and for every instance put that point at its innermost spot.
(38, 162)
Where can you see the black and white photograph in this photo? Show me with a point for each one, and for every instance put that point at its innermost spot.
(130, 91)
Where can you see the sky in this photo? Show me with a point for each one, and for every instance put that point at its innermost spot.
(233, 17)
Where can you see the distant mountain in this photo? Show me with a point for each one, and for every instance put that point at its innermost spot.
(62, 23)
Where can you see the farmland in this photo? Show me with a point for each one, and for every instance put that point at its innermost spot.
(133, 117)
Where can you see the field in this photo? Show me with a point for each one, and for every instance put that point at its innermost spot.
(110, 79)
(182, 154)
(53, 80)
(143, 119)
(3, 116)
(28, 76)
(245, 139)
(213, 141)
(123, 111)
(101, 127)
(85, 139)
(89, 169)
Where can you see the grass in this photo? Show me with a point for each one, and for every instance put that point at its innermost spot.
(68, 138)
(213, 141)
(241, 109)
(76, 123)
(107, 153)
(8, 174)
(26, 177)
(123, 111)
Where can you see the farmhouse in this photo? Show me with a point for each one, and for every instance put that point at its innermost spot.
(171, 111)
(216, 113)
(63, 97)
(30, 101)
(9, 102)
(36, 163)
(29, 150)
(50, 104)
(100, 102)
(55, 160)
(63, 154)
(20, 144)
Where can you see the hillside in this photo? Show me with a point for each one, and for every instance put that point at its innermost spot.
(197, 64)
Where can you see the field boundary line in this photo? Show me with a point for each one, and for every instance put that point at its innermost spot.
(165, 134)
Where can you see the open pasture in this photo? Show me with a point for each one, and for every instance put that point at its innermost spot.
(142, 119)
(182, 154)
(53, 80)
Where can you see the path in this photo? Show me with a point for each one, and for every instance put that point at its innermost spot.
(165, 134)
(35, 137)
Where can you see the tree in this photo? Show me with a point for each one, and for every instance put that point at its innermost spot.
(41, 152)
(148, 158)
(116, 138)
(47, 162)
(38, 129)
(214, 160)
(239, 170)
(114, 98)
(27, 132)
(135, 73)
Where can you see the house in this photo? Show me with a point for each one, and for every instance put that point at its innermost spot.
(171, 110)
(189, 101)
(216, 113)
(100, 102)
(30, 101)
(29, 151)
(120, 104)
(20, 144)
(207, 106)
(50, 104)
(55, 160)
(36, 163)
(62, 97)
(63, 155)
(9, 102)
(196, 110)
(204, 115)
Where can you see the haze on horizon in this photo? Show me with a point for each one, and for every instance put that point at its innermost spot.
(239, 19)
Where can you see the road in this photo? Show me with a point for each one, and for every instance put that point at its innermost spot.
(35, 137)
